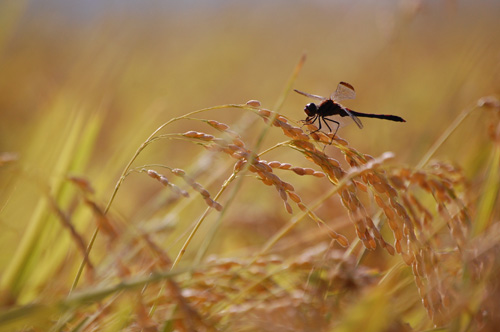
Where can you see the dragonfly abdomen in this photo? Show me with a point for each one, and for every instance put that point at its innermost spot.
(377, 116)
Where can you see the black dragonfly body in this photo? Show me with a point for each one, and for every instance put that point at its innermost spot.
(330, 106)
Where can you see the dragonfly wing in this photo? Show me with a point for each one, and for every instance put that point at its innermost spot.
(309, 95)
(354, 118)
(344, 91)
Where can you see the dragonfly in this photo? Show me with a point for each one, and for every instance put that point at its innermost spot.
(330, 106)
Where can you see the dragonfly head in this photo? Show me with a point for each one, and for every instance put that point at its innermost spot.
(311, 109)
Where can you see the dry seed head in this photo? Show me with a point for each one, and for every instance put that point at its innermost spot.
(391, 192)
(294, 197)
(389, 213)
(372, 244)
(282, 119)
(274, 164)
(236, 148)
(286, 127)
(253, 103)
(263, 166)
(241, 154)
(291, 133)
(405, 173)
(277, 123)
(409, 208)
(419, 283)
(400, 210)
(414, 268)
(309, 171)
(299, 134)
(341, 141)
(237, 141)
(199, 135)
(218, 125)
(302, 207)
(207, 137)
(288, 207)
(397, 245)
(213, 147)
(407, 258)
(366, 243)
(213, 204)
(321, 137)
(308, 146)
(287, 186)
(252, 168)
(360, 227)
(315, 135)
(379, 187)
(164, 181)
(179, 191)
(154, 174)
(192, 134)
(333, 162)
(368, 157)
(389, 248)
(299, 170)
(360, 186)
(342, 240)
(179, 172)
(418, 267)
(364, 177)
(196, 186)
(285, 166)
(396, 230)
(420, 178)
(274, 178)
(283, 194)
(265, 112)
(312, 127)
(350, 160)
(397, 182)
(239, 165)
(353, 204)
(370, 224)
(379, 201)
(318, 174)
(265, 180)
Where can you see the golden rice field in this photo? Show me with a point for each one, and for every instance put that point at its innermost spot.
(157, 174)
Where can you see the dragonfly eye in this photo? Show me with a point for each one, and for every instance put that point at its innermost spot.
(311, 109)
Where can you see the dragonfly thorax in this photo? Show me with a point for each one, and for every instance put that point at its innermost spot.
(311, 109)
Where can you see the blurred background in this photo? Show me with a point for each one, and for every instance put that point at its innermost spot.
(105, 74)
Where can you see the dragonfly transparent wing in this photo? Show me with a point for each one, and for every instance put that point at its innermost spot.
(309, 95)
(354, 118)
(344, 91)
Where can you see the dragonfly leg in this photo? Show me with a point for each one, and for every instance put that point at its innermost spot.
(337, 129)
(311, 121)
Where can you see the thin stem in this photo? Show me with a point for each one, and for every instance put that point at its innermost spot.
(447, 133)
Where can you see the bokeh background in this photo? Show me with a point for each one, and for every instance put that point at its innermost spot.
(108, 73)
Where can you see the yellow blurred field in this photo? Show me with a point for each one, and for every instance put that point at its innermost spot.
(375, 241)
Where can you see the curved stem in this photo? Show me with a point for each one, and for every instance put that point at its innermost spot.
(127, 168)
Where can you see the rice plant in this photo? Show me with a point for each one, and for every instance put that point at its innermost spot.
(244, 216)
(437, 248)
